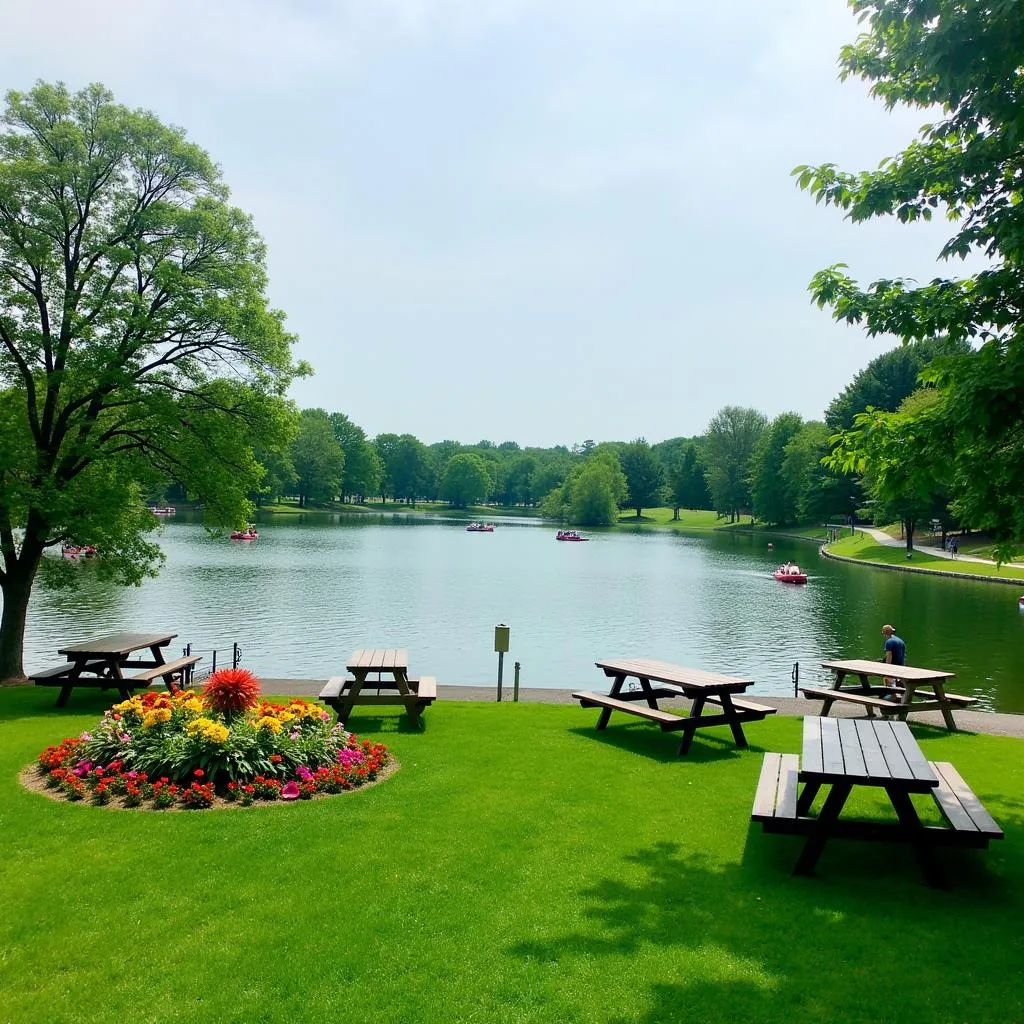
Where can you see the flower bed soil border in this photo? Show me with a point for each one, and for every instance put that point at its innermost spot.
(34, 780)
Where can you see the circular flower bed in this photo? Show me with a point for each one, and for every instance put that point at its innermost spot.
(190, 750)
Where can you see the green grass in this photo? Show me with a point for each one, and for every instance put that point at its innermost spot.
(519, 867)
(689, 519)
(864, 548)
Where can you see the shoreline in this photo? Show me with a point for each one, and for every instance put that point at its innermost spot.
(992, 723)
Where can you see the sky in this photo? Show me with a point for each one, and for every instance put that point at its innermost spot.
(517, 219)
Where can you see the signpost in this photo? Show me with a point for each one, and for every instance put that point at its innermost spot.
(501, 646)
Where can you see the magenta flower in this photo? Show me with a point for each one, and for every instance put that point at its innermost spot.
(303, 773)
(290, 791)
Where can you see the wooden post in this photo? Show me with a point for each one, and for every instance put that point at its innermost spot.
(515, 686)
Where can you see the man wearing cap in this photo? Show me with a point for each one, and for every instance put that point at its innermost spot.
(894, 651)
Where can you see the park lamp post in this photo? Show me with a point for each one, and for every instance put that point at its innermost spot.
(501, 646)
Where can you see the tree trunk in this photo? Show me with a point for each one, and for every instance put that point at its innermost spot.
(908, 528)
(638, 511)
(17, 588)
(675, 513)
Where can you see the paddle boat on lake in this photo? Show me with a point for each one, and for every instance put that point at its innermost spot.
(249, 533)
(569, 535)
(480, 528)
(790, 573)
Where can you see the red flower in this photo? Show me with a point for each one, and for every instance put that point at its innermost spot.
(199, 773)
(231, 689)
(276, 759)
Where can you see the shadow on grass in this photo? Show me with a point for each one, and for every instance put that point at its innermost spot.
(748, 941)
(640, 738)
(360, 722)
(35, 701)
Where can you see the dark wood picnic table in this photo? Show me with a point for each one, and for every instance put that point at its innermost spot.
(846, 753)
(389, 668)
(104, 661)
(701, 687)
(900, 700)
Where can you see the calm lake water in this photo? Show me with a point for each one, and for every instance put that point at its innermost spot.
(315, 587)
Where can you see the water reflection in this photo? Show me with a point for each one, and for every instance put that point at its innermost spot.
(315, 586)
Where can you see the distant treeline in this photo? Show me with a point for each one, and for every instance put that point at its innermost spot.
(743, 463)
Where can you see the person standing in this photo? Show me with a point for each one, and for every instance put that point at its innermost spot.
(953, 548)
(894, 651)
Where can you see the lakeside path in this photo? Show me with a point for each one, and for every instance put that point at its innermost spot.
(992, 723)
(896, 542)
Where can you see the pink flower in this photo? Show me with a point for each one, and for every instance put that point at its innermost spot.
(290, 791)
(303, 773)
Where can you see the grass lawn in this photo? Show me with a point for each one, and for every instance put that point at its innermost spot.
(519, 867)
(866, 548)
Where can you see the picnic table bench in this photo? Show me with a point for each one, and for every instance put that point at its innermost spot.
(391, 668)
(844, 753)
(700, 687)
(909, 680)
(103, 661)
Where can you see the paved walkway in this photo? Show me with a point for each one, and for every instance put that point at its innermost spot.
(897, 542)
(990, 722)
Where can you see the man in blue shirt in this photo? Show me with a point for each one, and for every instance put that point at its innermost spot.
(894, 651)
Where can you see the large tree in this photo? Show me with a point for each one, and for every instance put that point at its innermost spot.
(963, 60)
(644, 475)
(317, 457)
(773, 499)
(729, 443)
(465, 481)
(135, 338)
(363, 468)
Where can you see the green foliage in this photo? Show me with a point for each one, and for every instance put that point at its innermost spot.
(317, 457)
(904, 470)
(592, 492)
(729, 444)
(962, 60)
(887, 380)
(465, 481)
(644, 475)
(363, 467)
(818, 493)
(136, 343)
(774, 500)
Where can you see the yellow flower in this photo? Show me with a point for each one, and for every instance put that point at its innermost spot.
(155, 717)
(266, 722)
(284, 716)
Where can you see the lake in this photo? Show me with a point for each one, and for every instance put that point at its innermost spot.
(314, 587)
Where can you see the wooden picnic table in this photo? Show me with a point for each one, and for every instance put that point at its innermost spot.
(701, 687)
(909, 680)
(391, 668)
(103, 661)
(845, 753)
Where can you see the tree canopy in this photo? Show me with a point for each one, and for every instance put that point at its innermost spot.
(963, 60)
(135, 337)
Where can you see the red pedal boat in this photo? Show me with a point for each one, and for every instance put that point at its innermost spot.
(790, 574)
(569, 535)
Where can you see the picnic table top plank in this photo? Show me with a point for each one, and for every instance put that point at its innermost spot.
(676, 675)
(853, 754)
(895, 760)
(874, 760)
(385, 659)
(916, 760)
(117, 644)
(832, 758)
(905, 673)
(812, 754)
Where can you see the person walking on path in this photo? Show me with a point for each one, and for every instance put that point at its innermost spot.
(894, 651)
(953, 548)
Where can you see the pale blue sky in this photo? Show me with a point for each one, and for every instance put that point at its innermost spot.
(521, 220)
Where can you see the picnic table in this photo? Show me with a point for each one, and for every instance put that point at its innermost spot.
(103, 661)
(702, 688)
(390, 666)
(909, 680)
(845, 753)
